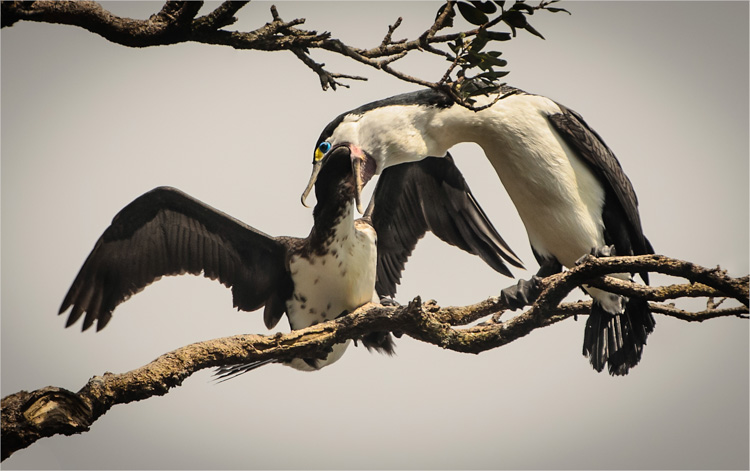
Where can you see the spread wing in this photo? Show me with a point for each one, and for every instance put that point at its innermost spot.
(412, 198)
(167, 232)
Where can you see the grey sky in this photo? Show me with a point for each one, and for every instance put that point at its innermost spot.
(87, 126)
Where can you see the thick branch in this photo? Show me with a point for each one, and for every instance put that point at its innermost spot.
(171, 25)
(29, 416)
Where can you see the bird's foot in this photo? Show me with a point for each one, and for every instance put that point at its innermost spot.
(523, 294)
(597, 252)
(389, 301)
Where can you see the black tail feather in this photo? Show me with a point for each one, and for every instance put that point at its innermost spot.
(224, 373)
(381, 342)
(617, 340)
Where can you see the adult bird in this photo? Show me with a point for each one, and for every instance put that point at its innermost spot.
(568, 188)
(314, 279)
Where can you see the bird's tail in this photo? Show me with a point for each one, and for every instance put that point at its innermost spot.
(381, 342)
(224, 373)
(617, 340)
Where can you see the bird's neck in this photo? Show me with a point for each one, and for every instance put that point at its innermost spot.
(444, 128)
(333, 220)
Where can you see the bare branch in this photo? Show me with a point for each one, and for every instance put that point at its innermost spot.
(171, 25)
(222, 16)
(389, 35)
(176, 22)
(700, 316)
(26, 417)
(326, 78)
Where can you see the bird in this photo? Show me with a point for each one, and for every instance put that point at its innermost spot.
(329, 273)
(568, 188)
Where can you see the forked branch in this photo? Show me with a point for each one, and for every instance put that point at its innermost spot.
(29, 416)
(178, 22)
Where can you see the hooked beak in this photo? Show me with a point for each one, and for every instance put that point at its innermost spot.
(316, 170)
(362, 168)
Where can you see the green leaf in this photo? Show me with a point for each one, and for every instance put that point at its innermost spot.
(485, 7)
(518, 6)
(498, 36)
(515, 19)
(531, 30)
(493, 74)
(493, 61)
(471, 14)
(555, 10)
(484, 90)
(451, 15)
(473, 59)
(479, 41)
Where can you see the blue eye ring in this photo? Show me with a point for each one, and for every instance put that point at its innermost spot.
(324, 147)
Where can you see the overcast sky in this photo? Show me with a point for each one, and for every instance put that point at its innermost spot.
(87, 126)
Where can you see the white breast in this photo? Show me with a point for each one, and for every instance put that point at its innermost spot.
(343, 280)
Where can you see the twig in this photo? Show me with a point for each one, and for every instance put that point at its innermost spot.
(326, 78)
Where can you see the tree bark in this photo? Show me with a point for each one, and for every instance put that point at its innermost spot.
(29, 416)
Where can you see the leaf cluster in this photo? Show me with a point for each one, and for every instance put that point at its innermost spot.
(474, 70)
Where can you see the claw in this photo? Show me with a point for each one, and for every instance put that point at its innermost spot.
(605, 251)
(523, 294)
(388, 301)
(597, 252)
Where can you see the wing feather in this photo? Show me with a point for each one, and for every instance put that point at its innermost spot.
(412, 198)
(624, 222)
(167, 232)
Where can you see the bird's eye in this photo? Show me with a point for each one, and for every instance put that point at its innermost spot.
(322, 150)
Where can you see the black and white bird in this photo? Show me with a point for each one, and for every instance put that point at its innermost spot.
(314, 279)
(569, 189)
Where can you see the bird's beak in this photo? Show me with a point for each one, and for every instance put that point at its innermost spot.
(316, 170)
(362, 168)
(358, 168)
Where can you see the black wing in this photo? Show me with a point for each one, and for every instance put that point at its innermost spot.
(622, 222)
(412, 198)
(605, 165)
(166, 232)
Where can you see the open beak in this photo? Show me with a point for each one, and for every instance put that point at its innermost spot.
(358, 167)
(362, 169)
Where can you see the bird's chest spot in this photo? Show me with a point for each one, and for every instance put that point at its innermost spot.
(340, 280)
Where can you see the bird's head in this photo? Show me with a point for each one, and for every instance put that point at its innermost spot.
(383, 133)
(340, 164)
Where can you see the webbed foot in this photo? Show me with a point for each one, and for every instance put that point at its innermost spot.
(523, 294)
(604, 251)
(388, 301)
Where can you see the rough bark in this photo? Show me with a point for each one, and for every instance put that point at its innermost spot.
(29, 416)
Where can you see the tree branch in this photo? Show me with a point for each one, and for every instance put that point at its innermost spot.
(176, 23)
(29, 416)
